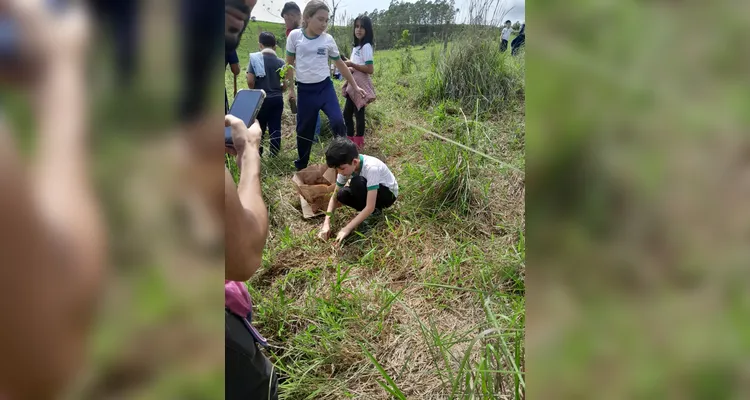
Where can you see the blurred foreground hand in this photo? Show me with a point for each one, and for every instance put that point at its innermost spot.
(51, 234)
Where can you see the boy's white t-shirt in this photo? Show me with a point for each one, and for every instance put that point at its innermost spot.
(312, 54)
(363, 55)
(376, 173)
(506, 33)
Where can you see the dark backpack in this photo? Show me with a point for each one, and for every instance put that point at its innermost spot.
(249, 375)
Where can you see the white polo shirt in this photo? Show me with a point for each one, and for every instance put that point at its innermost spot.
(363, 55)
(506, 33)
(312, 54)
(376, 173)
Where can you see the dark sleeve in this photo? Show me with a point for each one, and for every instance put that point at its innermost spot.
(232, 58)
(202, 30)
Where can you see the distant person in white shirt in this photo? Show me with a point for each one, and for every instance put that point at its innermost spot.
(362, 66)
(507, 30)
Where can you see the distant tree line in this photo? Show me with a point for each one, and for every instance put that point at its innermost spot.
(428, 21)
(422, 12)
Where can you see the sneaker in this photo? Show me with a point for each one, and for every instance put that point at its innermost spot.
(370, 221)
(365, 226)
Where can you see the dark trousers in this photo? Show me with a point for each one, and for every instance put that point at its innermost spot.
(248, 373)
(517, 43)
(269, 117)
(503, 45)
(202, 26)
(311, 99)
(350, 110)
(355, 195)
(122, 18)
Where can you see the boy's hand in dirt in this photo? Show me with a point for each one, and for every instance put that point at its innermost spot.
(343, 234)
(325, 233)
(292, 95)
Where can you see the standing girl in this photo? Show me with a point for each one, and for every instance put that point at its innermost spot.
(361, 66)
(309, 49)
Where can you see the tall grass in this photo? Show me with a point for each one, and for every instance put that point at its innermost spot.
(485, 365)
(476, 72)
(452, 178)
(444, 181)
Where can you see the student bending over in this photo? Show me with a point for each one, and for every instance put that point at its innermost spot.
(372, 186)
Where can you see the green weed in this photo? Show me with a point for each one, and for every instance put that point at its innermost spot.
(475, 73)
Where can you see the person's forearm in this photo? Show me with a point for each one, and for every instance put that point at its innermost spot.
(247, 226)
(65, 196)
(331, 208)
(245, 234)
(346, 73)
(63, 186)
(249, 189)
(289, 75)
(61, 103)
(290, 79)
(368, 69)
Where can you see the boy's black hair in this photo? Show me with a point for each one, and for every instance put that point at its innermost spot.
(366, 23)
(508, 22)
(290, 6)
(341, 151)
(267, 39)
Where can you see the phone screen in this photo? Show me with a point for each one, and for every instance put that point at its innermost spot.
(245, 107)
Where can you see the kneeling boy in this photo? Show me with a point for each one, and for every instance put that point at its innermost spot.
(372, 186)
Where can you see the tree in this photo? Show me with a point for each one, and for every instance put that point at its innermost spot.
(516, 26)
(334, 6)
(425, 20)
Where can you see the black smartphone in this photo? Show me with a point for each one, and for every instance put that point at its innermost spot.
(246, 106)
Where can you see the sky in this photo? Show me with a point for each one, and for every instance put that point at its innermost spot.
(270, 10)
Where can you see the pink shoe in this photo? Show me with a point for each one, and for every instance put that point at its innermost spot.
(359, 141)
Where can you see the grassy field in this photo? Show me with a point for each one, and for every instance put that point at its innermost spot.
(430, 303)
